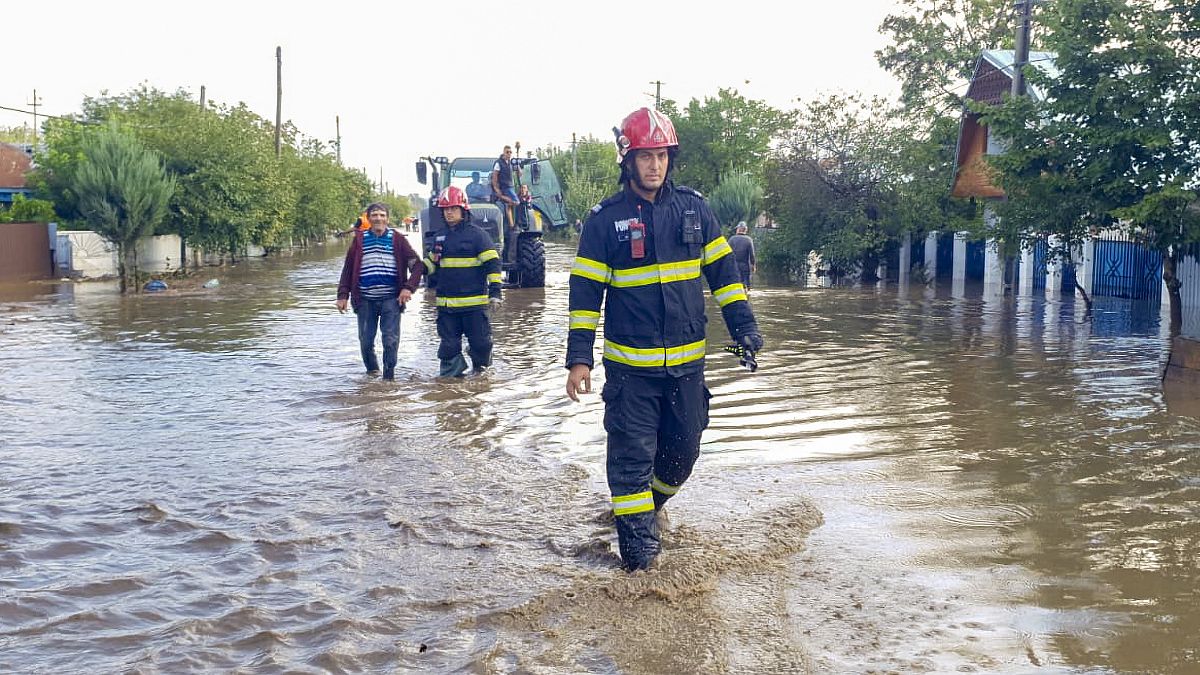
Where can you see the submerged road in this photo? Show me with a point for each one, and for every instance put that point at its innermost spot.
(204, 480)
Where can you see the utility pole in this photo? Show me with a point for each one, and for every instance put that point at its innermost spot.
(35, 103)
(202, 94)
(1021, 57)
(657, 94)
(337, 123)
(278, 97)
(574, 157)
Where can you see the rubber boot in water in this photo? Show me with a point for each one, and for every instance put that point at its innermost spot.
(454, 367)
(638, 540)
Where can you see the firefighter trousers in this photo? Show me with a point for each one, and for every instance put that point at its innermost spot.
(451, 327)
(654, 426)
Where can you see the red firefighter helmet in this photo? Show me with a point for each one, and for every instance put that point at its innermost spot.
(645, 128)
(453, 196)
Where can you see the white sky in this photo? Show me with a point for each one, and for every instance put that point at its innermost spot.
(419, 78)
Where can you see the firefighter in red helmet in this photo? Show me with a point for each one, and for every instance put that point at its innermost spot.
(645, 254)
(465, 268)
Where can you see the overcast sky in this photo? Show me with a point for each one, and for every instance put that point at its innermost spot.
(418, 78)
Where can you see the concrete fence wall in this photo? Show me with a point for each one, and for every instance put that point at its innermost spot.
(87, 255)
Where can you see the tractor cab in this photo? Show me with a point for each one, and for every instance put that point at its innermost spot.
(516, 231)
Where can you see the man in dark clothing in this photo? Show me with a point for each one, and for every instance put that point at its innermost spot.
(647, 248)
(502, 179)
(377, 282)
(743, 253)
(465, 268)
(505, 196)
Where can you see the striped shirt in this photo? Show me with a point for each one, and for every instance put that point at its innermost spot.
(378, 277)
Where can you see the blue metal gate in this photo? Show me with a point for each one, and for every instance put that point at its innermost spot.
(974, 269)
(945, 255)
(1040, 250)
(1126, 270)
(917, 251)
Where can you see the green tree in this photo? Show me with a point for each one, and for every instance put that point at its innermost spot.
(724, 135)
(1112, 142)
(27, 211)
(934, 46)
(737, 198)
(834, 185)
(123, 193)
(21, 134)
(588, 176)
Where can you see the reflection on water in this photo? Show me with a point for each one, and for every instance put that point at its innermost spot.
(205, 480)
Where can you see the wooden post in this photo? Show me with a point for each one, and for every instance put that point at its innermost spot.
(278, 98)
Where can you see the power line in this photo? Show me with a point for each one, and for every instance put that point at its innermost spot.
(41, 114)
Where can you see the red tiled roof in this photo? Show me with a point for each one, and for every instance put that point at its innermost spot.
(990, 84)
(14, 164)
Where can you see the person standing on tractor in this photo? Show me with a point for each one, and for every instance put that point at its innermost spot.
(465, 268)
(502, 179)
(647, 247)
(373, 282)
(505, 197)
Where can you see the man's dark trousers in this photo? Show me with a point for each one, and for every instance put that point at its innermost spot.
(382, 314)
(452, 326)
(654, 426)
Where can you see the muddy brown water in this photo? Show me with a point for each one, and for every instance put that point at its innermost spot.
(204, 480)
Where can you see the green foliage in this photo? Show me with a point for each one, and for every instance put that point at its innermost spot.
(21, 134)
(722, 136)
(835, 188)
(231, 189)
(399, 206)
(588, 177)
(737, 198)
(123, 191)
(1113, 144)
(934, 46)
(25, 210)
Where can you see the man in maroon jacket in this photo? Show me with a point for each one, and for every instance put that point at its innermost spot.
(373, 282)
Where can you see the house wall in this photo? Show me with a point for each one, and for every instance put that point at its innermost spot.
(973, 178)
(24, 251)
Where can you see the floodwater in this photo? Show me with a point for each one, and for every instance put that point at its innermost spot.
(204, 480)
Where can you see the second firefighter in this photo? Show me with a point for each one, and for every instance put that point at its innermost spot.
(464, 268)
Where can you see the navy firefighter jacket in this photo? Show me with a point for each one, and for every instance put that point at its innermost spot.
(465, 268)
(654, 315)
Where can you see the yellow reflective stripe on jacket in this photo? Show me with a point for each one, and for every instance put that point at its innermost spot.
(653, 274)
(715, 250)
(430, 266)
(654, 356)
(487, 255)
(465, 301)
(493, 278)
(585, 319)
(638, 503)
(666, 489)
(693, 351)
(590, 269)
(635, 276)
(730, 293)
(461, 262)
(679, 271)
